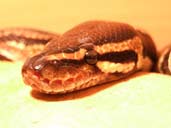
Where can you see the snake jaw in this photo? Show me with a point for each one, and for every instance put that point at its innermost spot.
(53, 76)
(55, 85)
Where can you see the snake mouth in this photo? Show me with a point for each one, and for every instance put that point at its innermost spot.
(62, 86)
(54, 86)
(52, 79)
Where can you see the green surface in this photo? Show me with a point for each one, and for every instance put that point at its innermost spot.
(141, 101)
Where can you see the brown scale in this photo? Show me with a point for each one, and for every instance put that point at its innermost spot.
(45, 75)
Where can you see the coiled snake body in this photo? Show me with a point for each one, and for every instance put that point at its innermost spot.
(91, 53)
(164, 62)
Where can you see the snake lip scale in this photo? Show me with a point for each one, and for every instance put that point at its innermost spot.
(89, 54)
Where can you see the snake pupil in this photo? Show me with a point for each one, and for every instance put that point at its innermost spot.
(91, 57)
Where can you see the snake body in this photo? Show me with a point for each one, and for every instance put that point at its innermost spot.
(164, 62)
(16, 44)
(89, 54)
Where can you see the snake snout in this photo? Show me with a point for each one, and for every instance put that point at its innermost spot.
(45, 75)
(32, 69)
(31, 63)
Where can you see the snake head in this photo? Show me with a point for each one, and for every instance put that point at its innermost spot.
(61, 71)
(91, 53)
(73, 69)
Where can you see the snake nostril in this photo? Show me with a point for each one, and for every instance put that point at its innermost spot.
(35, 63)
(38, 63)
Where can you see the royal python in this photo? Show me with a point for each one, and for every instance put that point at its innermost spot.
(164, 62)
(91, 53)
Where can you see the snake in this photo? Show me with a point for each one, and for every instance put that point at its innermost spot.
(17, 44)
(91, 53)
(164, 61)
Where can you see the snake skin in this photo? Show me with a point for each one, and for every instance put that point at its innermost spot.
(89, 54)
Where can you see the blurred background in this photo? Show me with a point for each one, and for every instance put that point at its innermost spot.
(153, 16)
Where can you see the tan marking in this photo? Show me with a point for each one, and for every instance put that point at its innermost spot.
(74, 56)
(161, 60)
(7, 54)
(134, 44)
(34, 49)
(11, 52)
(111, 67)
(18, 51)
(169, 62)
(19, 45)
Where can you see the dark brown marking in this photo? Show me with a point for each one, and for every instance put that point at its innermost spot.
(3, 58)
(149, 48)
(26, 36)
(98, 32)
(25, 40)
(93, 32)
(119, 57)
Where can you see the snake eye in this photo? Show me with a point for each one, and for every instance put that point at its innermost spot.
(91, 57)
